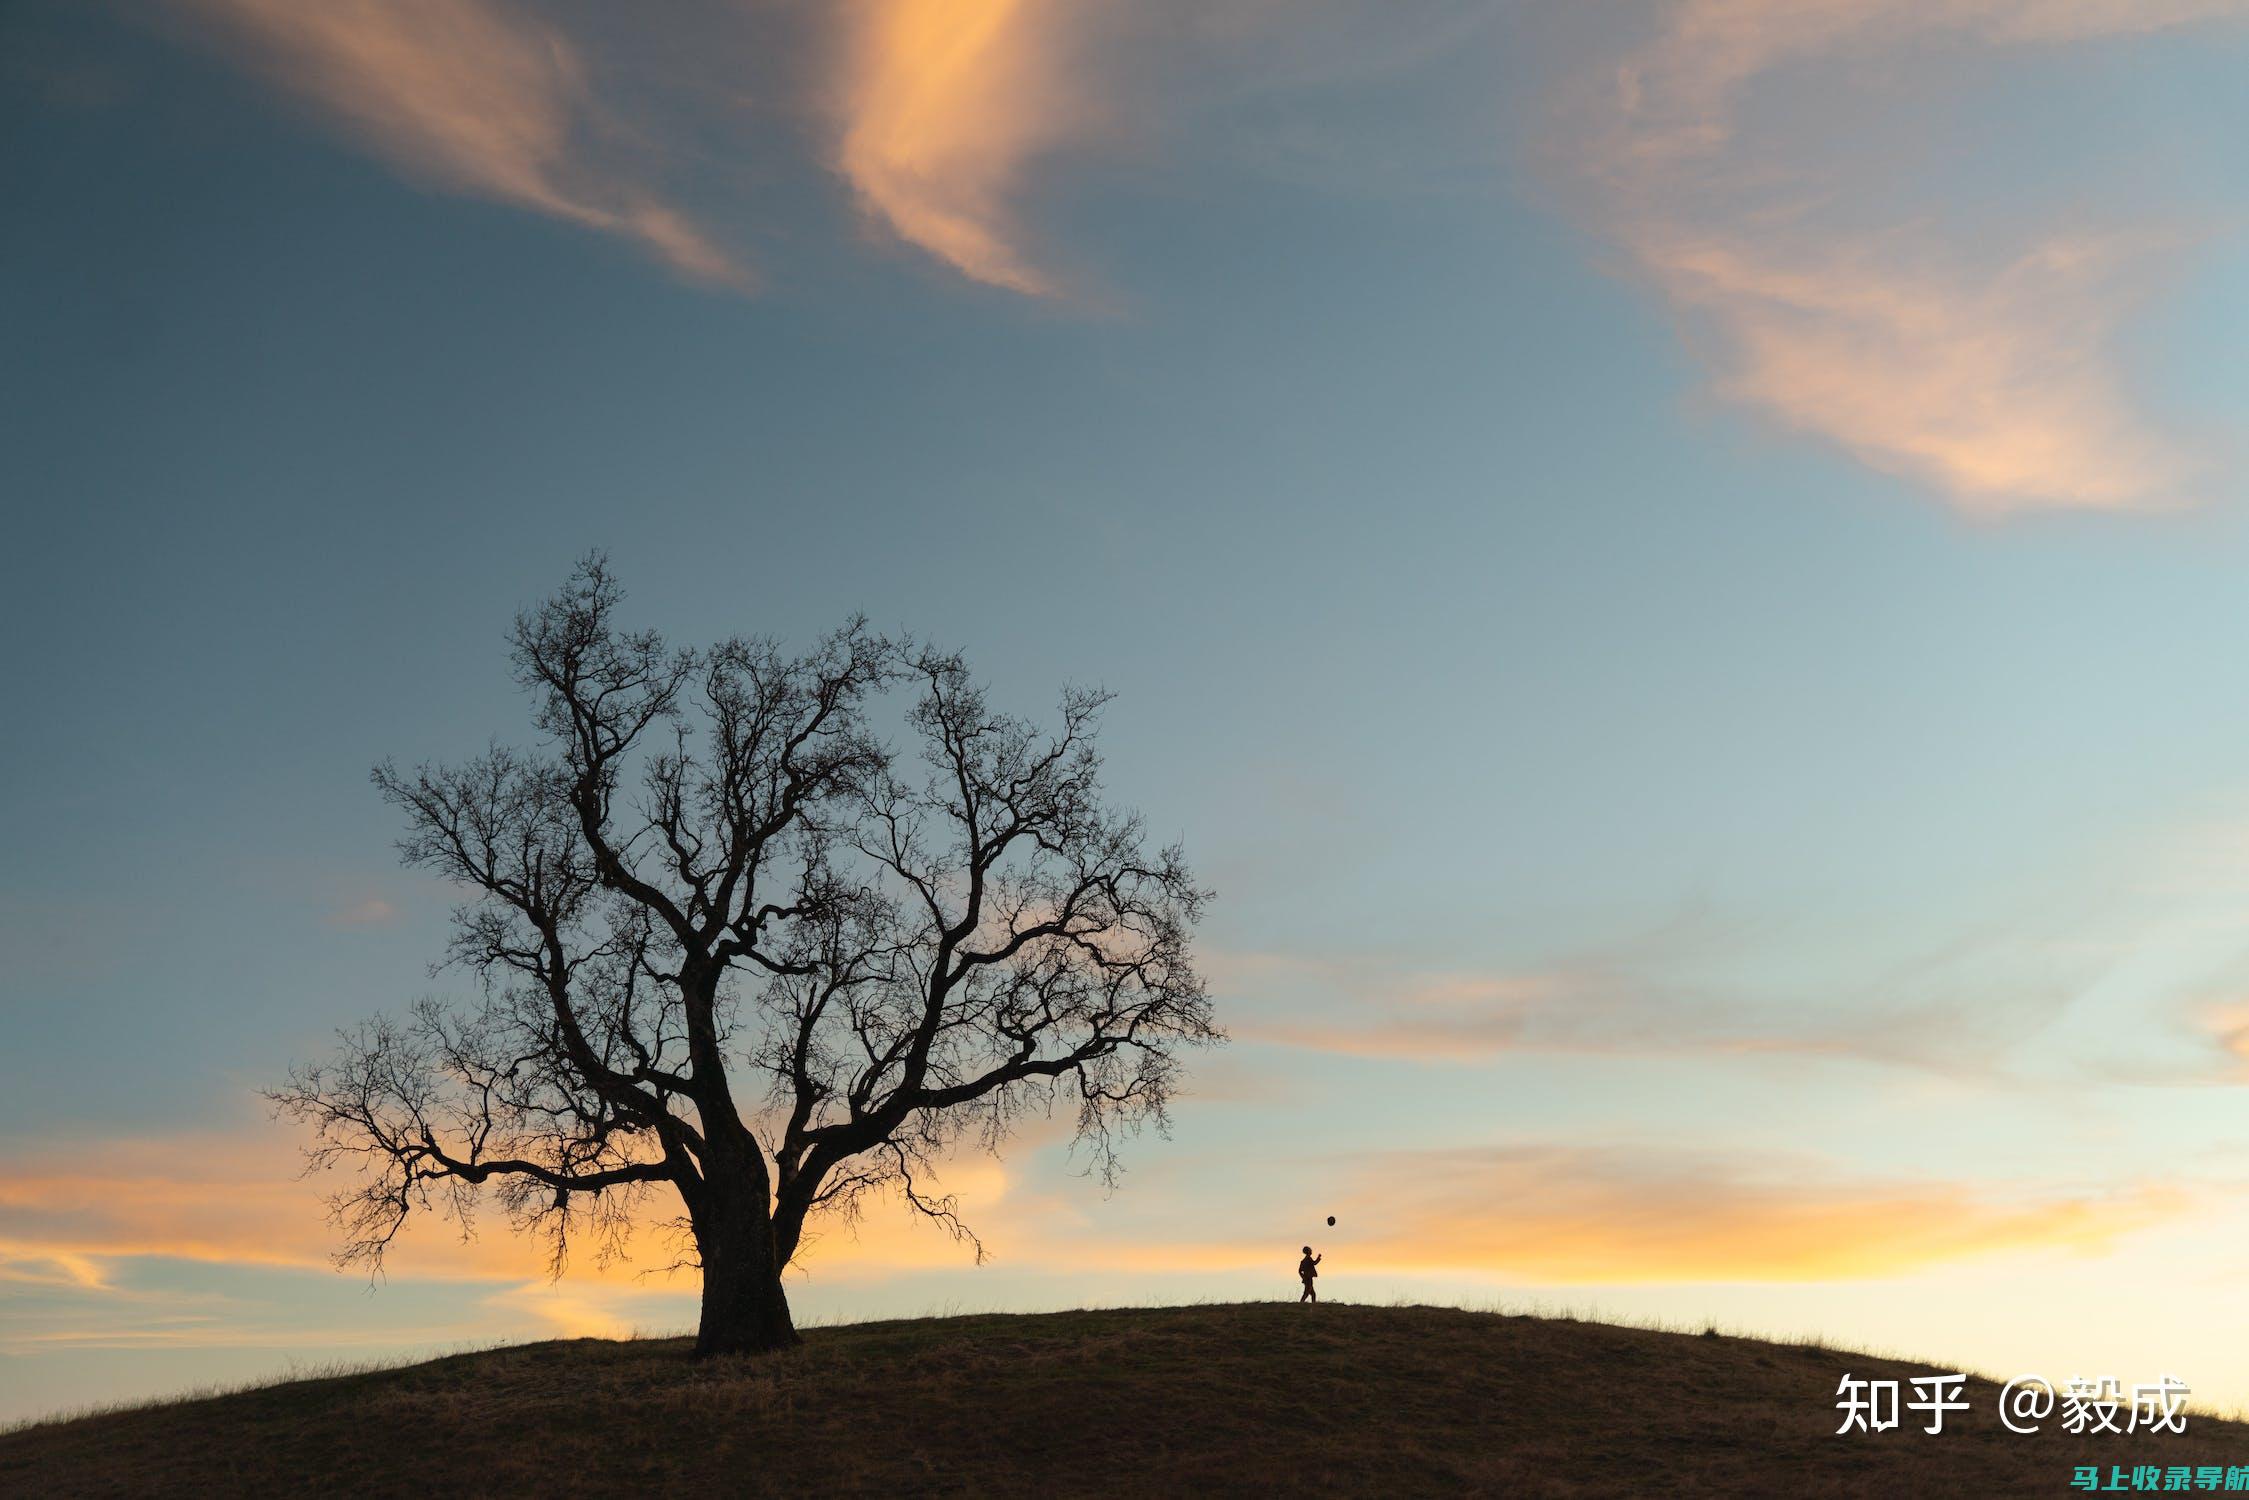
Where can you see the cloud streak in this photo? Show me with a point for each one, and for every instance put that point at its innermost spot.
(468, 96)
(1957, 1012)
(1562, 1215)
(2136, 975)
(946, 103)
(1651, 1213)
(241, 1199)
(938, 109)
(1985, 372)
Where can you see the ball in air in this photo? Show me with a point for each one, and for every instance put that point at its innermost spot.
(1331, 1221)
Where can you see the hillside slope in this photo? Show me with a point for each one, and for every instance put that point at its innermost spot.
(1332, 1399)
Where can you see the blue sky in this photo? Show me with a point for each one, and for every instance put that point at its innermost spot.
(1679, 570)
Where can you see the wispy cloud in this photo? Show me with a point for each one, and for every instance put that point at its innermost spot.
(36, 1265)
(1955, 1012)
(939, 109)
(213, 1197)
(1982, 368)
(1993, 385)
(581, 1312)
(2134, 975)
(949, 107)
(946, 103)
(471, 96)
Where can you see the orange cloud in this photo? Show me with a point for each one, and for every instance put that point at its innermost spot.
(945, 104)
(574, 1312)
(1582, 1216)
(1994, 386)
(227, 1198)
(2224, 1027)
(71, 1217)
(240, 1199)
(34, 1265)
(1573, 1215)
(206, 1197)
(471, 97)
(1983, 373)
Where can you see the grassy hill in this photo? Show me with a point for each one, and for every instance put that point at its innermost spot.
(1237, 1399)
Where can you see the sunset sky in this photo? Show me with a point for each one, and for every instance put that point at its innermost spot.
(1682, 568)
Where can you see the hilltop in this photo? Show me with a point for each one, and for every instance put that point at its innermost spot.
(1334, 1399)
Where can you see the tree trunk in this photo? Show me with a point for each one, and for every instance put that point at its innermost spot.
(744, 1308)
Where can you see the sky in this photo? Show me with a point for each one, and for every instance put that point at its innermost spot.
(1676, 565)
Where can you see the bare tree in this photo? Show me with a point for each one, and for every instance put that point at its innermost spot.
(733, 944)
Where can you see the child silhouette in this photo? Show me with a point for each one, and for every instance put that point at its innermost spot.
(1307, 1269)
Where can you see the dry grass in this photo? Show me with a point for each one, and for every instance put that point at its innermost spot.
(1240, 1399)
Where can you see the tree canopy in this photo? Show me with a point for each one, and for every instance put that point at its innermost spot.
(731, 941)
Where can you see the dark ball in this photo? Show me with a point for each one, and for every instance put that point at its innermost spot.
(1331, 1221)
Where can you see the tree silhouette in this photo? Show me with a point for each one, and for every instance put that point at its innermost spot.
(732, 943)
